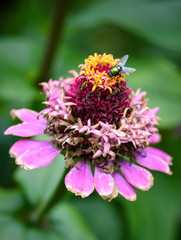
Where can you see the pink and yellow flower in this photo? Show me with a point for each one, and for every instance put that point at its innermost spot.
(98, 124)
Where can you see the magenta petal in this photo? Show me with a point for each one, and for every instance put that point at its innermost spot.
(163, 155)
(104, 184)
(106, 147)
(27, 115)
(32, 154)
(26, 129)
(32, 125)
(124, 188)
(136, 175)
(155, 138)
(153, 161)
(153, 112)
(79, 180)
(97, 154)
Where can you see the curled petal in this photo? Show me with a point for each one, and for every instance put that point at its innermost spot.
(96, 132)
(155, 138)
(105, 138)
(153, 112)
(104, 125)
(106, 147)
(32, 154)
(152, 161)
(79, 180)
(124, 188)
(84, 129)
(136, 175)
(97, 154)
(105, 185)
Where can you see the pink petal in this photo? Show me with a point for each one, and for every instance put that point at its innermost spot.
(104, 184)
(106, 147)
(79, 180)
(124, 188)
(84, 129)
(152, 161)
(97, 154)
(163, 155)
(155, 138)
(136, 175)
(32, 154)
(25, 130)
(26, 115)
(153, 111)
(30, 127)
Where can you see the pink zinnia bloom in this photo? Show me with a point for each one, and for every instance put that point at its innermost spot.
(98, 124)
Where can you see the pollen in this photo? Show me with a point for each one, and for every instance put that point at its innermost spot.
(95, 70)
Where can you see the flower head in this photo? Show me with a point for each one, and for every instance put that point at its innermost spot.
(97, 123)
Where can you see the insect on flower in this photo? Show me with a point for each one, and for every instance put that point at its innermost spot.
(120, 68)
(98, 123)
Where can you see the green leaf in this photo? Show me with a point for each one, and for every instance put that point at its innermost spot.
(155, 214)
(40, 234)
(102, 218)
(11, 200)
(62, 222)
(157, 22)
(68, 224)
(161, 80)
(19, 66)
(24, 91)
(39, 184)
(11, 228)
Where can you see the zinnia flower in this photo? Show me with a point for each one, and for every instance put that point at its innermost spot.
(100, 126)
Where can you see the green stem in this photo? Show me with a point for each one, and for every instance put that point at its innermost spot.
(42, 208)
(61, 7)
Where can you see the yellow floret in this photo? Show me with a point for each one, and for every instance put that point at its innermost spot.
(94, 69)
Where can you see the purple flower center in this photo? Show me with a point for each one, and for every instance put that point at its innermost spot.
(100, 104)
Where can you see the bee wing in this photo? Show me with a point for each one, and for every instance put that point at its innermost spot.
(128, 70)
(124, 59)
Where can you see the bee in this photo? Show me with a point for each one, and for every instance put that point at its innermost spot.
(120, 68)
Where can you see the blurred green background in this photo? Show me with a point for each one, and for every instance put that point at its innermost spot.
(43, 39)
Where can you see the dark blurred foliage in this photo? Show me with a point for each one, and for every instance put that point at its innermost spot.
(42, 39)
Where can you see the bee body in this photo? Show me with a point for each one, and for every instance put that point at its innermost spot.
(120, 68)
(114, 71)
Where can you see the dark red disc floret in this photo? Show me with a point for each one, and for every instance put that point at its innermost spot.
(99, 105)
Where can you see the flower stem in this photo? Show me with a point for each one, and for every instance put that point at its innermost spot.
(56, 34)
(42, 208)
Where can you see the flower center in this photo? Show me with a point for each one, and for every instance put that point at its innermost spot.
(96, 95)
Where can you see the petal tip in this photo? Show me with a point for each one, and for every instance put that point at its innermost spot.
(132, 198)
(113, 195)
(150, 183)
(6, 132)
(19, 162)
(82, 193)
(169, 172)
(13, 113)
(12, 153)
